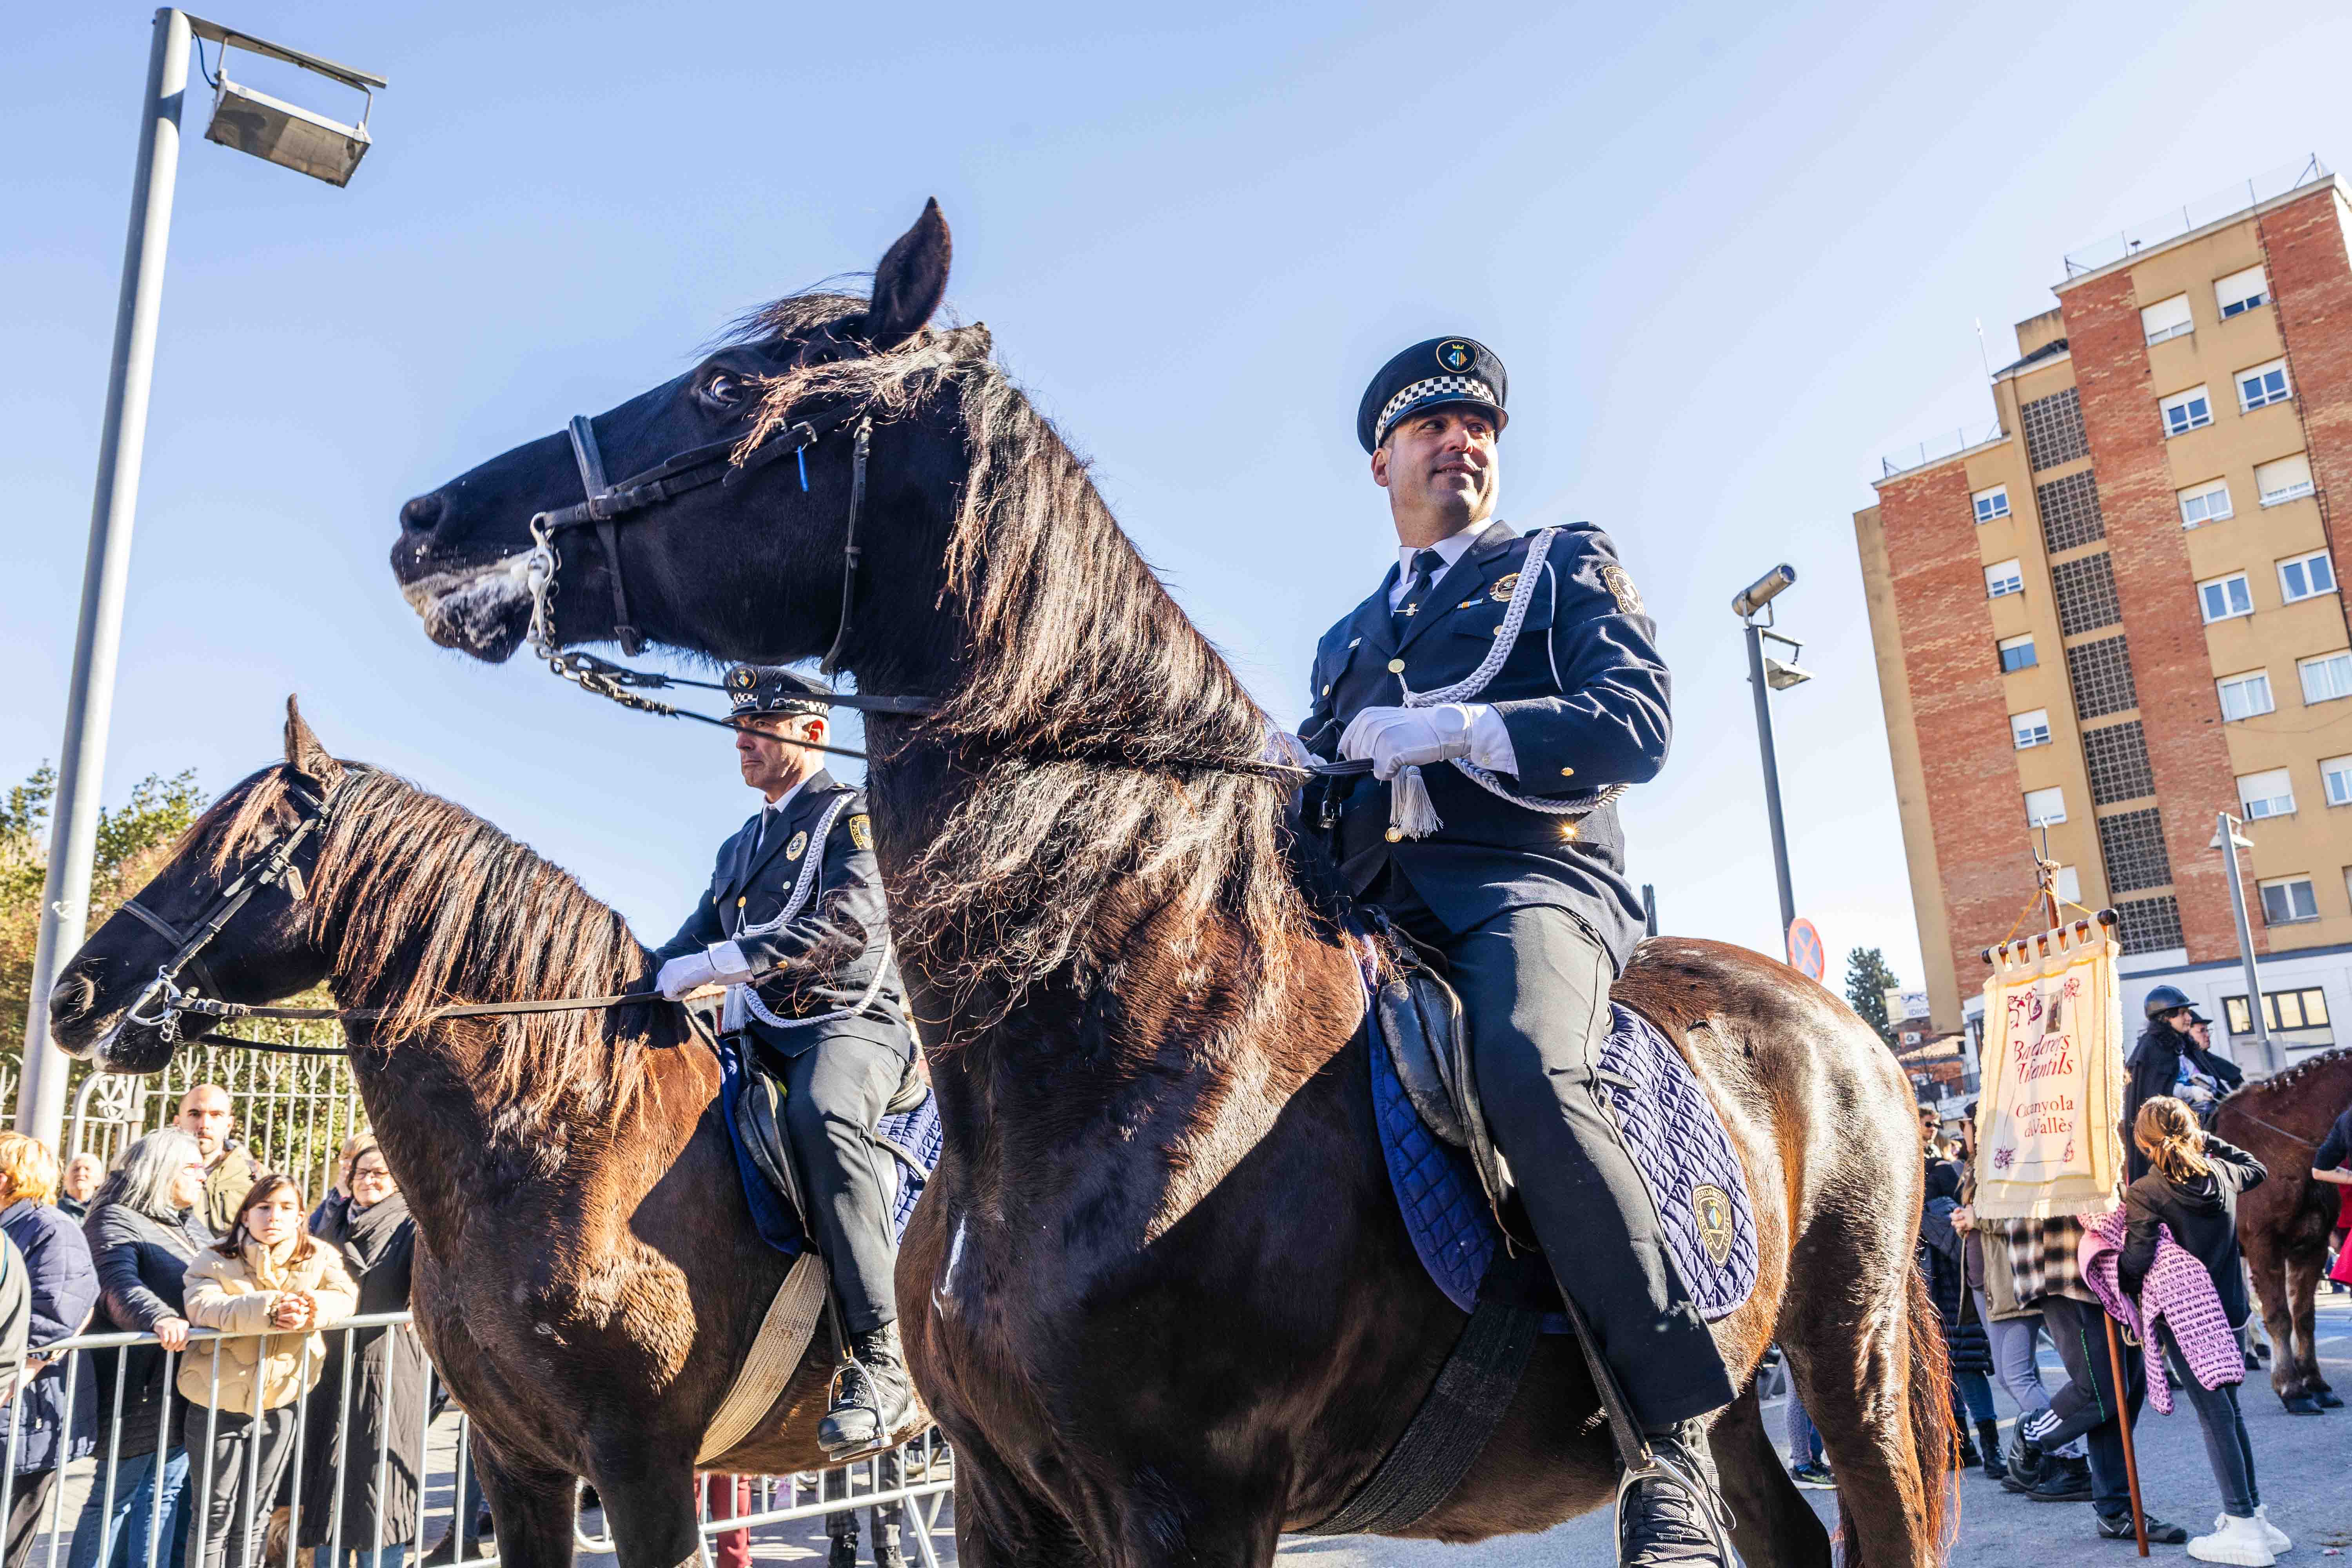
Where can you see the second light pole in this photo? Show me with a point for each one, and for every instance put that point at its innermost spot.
(1767, 675)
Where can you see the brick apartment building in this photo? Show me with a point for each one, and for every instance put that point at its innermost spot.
(2117, 614)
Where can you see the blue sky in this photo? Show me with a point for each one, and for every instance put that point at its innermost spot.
(1729, 254)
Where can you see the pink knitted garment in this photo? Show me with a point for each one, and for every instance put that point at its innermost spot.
(2179, 1291)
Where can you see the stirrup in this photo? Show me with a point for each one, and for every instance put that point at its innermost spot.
(1712, 1510)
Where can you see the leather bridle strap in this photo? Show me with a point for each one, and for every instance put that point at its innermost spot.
(592, 475)
(849, 547)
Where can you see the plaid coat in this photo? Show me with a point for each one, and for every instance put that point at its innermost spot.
(2042, 1259)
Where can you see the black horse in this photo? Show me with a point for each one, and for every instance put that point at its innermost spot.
(1158, 1293)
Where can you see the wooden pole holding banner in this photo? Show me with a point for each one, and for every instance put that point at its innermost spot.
(2045, 872)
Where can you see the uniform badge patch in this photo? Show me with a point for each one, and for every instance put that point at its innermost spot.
(799, 843)
(1620, 588)
(861, 832)
(1455, 355)
(1504, 586)
(1712, 1205)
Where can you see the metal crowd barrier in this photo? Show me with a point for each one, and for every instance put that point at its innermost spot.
(293, 1112)
(249, 1539)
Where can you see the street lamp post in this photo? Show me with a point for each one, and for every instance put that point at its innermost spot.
(2229, 841)
(1766, 675)
(251, 123)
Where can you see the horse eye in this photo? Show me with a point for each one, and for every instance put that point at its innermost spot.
(723, 390)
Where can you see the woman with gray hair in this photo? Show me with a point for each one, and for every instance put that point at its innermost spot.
(145, 1226)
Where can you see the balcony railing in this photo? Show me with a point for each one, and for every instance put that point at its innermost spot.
(2192, 216)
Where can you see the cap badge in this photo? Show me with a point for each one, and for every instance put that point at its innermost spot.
(1455, 355)
(1504, 586)
(799, 843)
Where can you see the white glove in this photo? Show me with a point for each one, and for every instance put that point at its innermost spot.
(1396, 738)
(687, 973)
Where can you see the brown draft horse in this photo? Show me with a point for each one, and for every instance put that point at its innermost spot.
(587, 1276)
(1158, 1293)
(2283, 1224)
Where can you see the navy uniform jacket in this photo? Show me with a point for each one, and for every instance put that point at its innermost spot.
(1584, 696)
(749, 890)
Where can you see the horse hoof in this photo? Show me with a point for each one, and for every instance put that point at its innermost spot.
(2327, 1401)
(2301, 1405)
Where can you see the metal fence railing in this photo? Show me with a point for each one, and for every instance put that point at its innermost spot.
(237, 1476)
(2194, 215)
(293, 1112)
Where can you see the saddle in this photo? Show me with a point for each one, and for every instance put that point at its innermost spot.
(766, 1143)
(1423, 1025)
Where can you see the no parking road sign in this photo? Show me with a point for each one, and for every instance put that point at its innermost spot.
(1805, 950)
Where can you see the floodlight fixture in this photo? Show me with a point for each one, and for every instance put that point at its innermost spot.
(284, 133)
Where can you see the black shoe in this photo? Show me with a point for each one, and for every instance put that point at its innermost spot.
(2118, 1527)
(844, 1554)
(1673, 1512)
(1989, 1442)
(1813, 1476)
(872, 1398)
(2024, 1461)
(2063, 1480)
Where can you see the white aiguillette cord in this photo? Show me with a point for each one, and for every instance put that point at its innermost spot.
(1410, 814)
(742, 999)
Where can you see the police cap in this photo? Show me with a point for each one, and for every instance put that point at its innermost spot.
(1442, 370)
(771, 689)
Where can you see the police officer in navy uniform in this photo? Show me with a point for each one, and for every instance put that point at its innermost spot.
(1519, 879)
(796, 927)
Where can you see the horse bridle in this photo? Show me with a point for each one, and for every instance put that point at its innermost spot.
(274, 864)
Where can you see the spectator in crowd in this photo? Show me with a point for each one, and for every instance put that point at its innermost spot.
(887, 1519)
(2192, 1188)
(729, 1496)
(274, 1285)
(2012, 1333)
(2332, 1163)
(145, 1226)
(83, 1174)
(44, 1432)
(1943, 1260)
(16, 1317)
(337, 1201)
(229, 1170)
(383, 1426)
(1806, 1466)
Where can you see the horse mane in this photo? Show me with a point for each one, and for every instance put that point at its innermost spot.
(2288, 1077)
(1118, 764)
(434, 906)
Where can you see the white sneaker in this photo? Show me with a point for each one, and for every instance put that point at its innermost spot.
(2274, 1537)
(2238, 1540)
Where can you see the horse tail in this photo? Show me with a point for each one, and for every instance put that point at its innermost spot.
(1926, 1486)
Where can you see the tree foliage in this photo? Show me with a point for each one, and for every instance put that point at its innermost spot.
(132, 841)
(1867, 980)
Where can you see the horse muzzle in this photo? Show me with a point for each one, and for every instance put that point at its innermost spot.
(482, 610)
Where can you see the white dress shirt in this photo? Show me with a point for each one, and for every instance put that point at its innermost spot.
(728, 963)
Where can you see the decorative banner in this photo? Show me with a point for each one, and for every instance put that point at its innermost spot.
(2053, 1079)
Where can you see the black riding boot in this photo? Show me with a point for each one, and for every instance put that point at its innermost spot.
(1674, 1512)
(872, 1396)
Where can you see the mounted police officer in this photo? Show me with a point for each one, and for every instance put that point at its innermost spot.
(796, 928)
(1504, 689)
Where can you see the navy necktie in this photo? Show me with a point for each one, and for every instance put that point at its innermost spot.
(1428, 566)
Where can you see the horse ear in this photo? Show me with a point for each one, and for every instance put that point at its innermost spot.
(303, 753)
(910, 281)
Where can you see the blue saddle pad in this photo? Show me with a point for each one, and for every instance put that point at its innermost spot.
(912, 1137)
(1684, 1153)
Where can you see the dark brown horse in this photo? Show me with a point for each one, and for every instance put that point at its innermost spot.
(1158, 1293)
(2283, 1224)
(587, 1276)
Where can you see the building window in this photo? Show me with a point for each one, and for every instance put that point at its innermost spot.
(2117, 759)
(2270, 793)
(2016, 654)
(2288, 900)
(2068, 886)
(2262, 385)
(2030, 728)
(2187, 410)
(2003, 578)
(2283, 480)
(2305, 577)
(2070, 511)
(2086, 592)
(1991, 503)
(2054, 429)
(2044, 805)
(2132, 843)
(2204, 504)
(2224, 598)
(2166, 319)
(2336, 772)
(2244, 696)
(2326, 678)
(2149, 925)
(2101, 674)
(2240, 291)
(2301, 1009)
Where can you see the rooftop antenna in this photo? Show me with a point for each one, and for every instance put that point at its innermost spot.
(1983, 357)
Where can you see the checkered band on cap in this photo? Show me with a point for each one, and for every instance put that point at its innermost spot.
(1436, 389)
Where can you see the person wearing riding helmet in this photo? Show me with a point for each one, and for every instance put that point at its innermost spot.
(2168, 1060)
